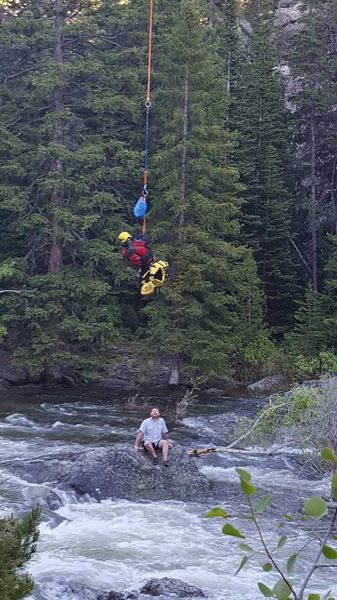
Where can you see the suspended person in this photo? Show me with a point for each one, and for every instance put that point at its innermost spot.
(138, 252)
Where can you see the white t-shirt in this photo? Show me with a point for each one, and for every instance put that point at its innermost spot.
(153, 429)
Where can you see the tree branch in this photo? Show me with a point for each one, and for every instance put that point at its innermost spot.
(315, 564)
(268, 553)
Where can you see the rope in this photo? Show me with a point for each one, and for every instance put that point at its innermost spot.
(148, 107)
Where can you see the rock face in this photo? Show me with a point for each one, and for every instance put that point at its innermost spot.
(268, 385)
(119, 472)
(11, 374)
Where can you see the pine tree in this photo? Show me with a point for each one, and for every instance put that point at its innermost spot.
(309, 336)
(314, 69)
(331, 296)
(214, 304)
(260, 118)
(70, 158)
(18, 540)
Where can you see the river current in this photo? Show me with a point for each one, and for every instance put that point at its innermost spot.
(118, 545)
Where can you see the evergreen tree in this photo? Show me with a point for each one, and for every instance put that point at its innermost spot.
(331, 297)
(70, 162)
(309, 336)
(17, 545)
(214, 304)
(260, 118)
(314, 69)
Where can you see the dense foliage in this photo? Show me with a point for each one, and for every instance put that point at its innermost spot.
(242, 184)
(18, 539)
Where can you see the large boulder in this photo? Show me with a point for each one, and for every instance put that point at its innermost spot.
(269, 385)
(170, 587)
(119, 472)
(166, 587)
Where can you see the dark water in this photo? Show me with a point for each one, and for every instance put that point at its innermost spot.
(119, 544)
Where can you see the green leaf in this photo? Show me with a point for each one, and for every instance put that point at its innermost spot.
(282, 541)
(230, 530)
(315, 507)
(247, 488)
(329, 553)
(291, 563)
(314, 597)
(242, 564)
(245, 548)
(288, 517)
(216, 512)
(334, 486)
(262, 504)
(281, 590)
(327, 454)
(265, 590)
(267, 567)
(244, 475)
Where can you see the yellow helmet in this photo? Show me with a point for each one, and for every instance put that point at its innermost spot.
(124, 236)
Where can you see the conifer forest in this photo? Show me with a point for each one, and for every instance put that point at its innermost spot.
(242, 184)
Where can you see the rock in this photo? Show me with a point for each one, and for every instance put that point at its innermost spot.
(48, 469)
(328, 383)
(10, 373)
(171, 587)
(119, 472)
(111, 596)
(4, 384)
(59, 590)
(269, 385)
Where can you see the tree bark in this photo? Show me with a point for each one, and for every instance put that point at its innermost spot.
(175, 376)
(211, 13)
(183, 175)
(313, 204)
(55, 261)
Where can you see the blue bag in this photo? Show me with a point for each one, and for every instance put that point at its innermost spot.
(140, 208)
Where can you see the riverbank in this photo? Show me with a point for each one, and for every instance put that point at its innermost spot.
(132, 373)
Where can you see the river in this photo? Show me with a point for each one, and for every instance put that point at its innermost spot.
(116, 544)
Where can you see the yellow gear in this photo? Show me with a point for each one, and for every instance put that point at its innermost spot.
(124, 236)
(153, 278)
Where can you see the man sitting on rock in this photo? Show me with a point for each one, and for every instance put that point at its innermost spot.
(153, 434)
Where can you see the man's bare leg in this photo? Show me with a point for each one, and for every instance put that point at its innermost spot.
(164, 446)
(150, 449)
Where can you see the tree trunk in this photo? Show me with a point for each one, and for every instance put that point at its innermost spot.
(211, 13)
(56, 251)
(174, 378)
(175, 375)
(313, 205)
(333, 201)
(183, 176)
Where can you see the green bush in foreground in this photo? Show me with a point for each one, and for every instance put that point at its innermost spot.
(313, 510)
(17, 544)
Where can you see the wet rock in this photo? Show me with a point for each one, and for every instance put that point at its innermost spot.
(119, 472)
(4, 384)
(154, 588)
(269, 385)
(11, 374)
(59, 590)
(171, 587)
(111, 596)
(48, 469)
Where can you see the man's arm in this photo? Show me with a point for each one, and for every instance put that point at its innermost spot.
(139, 438)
